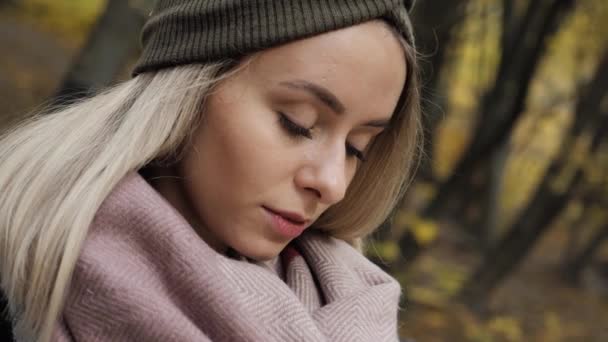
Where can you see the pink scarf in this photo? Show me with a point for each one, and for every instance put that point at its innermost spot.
(145, 275)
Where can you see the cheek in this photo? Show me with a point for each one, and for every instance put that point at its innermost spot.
(235, 155)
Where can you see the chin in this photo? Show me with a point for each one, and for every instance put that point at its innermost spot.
(262, 251)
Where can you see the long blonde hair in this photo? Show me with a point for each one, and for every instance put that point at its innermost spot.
(56, 169)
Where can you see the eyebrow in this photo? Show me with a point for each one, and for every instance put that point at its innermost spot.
(321, 93)
(328, 98)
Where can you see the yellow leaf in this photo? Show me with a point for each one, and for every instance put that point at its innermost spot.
(509, 327)
(427, 296)
(425, 231)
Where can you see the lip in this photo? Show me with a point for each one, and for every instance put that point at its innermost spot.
(288, 224)
(295, 217)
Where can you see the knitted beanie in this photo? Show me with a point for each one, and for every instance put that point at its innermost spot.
(194, 31)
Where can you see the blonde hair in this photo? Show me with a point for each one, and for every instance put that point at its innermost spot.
(57, 168)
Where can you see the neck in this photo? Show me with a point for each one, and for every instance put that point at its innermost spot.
(168, 182)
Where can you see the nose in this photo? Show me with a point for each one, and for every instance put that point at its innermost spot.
(324, 175)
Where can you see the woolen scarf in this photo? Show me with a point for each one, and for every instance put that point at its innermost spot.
(145, 275)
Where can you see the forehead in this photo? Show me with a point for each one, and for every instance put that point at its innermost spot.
(363, 65)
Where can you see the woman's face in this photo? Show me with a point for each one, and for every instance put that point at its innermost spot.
(282, 139)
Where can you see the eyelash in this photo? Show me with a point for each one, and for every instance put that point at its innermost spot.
(296, 130)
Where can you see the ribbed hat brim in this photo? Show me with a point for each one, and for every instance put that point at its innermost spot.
(195, 31)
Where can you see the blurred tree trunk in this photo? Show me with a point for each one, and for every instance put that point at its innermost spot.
(485, 228)
(111, 42)
(576, 254)
(486, 196)
(507, 22)
(502, 104)
(573, 269)
(552, 195)
(435, 30)
(576, 229)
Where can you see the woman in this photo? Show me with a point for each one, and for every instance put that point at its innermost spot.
(224, 192)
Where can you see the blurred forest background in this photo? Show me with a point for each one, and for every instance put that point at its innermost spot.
(503, 235)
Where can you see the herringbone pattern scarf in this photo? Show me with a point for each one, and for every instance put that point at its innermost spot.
(145, 275)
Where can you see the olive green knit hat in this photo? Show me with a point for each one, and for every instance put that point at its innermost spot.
(194, 31)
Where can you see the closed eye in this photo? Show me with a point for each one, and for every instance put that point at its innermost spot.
(354, 152)
(295, 130)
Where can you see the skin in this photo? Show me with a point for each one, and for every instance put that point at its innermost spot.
(242, 157)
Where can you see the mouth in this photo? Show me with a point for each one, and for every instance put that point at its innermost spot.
(291, 217)
(288, 224)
